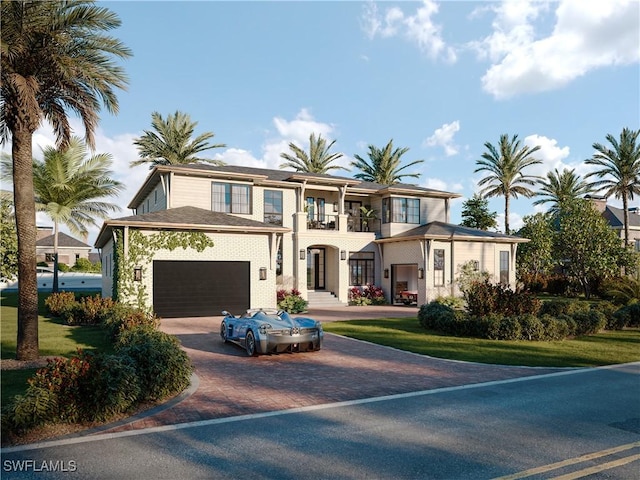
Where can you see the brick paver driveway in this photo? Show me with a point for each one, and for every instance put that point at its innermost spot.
(230, 383)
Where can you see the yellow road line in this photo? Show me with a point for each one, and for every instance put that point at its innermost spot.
(568, 462)
(598, 468)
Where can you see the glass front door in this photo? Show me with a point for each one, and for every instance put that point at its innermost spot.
(315, 269)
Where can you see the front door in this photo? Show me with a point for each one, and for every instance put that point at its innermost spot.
(315, 269)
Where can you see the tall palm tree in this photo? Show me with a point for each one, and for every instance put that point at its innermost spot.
(560, 188)
(56, 57)
(318, 160)
(619, 171)
(383, 165)
(70, 188)
(171, 142)
(505, 165)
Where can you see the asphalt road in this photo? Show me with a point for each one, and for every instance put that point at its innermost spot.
(575, 424)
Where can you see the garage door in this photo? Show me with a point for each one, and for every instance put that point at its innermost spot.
(200, 289)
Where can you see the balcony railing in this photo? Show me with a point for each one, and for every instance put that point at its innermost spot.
(323, 222)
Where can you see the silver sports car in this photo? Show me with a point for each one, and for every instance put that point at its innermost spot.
(271, 331)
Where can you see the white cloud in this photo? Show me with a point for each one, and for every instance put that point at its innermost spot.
(443, 137)
(588, 34)
(417, 28)
(297, 131)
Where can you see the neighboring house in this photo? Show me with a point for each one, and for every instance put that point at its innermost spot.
(69, 249)
(615, 217)
(275, 228)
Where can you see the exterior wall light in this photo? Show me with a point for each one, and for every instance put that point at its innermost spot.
(421, 273)
(263, 273)
(137, 274)
(303, 254)
(343, 254)
(386, 273)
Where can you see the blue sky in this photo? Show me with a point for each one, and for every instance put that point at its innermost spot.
(441, 78)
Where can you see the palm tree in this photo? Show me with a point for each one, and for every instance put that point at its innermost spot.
(171, 144)
(70, 187)
(384, 166)
(318, 160)
(55, 57)
(619, 171)
(506, 164)
(559, 188)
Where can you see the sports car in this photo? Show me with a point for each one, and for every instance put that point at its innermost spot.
(261, 331)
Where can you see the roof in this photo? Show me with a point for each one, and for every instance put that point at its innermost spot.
(64, 241)
(187, 218)
(449, 231)
(615, 217)
(281, 177)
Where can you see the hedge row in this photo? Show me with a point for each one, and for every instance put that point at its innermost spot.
(556, 320)
(148, 365)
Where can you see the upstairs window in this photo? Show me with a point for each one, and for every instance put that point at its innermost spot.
(230, 198)
(273, 207)
(401, 210)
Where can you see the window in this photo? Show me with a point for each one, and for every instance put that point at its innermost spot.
(273, 207)
(361, 268)
(155, 197)
(401, 210)
(49, 257)
(311, 208)
(321, 209)
(230, 198)
(637, 245)
(504, 268)
(438, 267)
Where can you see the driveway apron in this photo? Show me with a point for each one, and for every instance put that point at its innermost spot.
(230, 383)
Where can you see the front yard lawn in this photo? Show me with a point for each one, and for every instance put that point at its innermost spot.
(609, 347)
(55, 339)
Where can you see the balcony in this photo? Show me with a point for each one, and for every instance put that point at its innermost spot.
(323, 222)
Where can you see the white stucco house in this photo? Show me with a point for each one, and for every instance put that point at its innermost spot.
(268, 228)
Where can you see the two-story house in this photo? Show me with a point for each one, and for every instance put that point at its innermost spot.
(312, 232)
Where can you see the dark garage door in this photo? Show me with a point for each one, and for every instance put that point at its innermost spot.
(199, 289)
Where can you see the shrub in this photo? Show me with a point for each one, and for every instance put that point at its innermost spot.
(621, 290)
(36, 407)
(531, 327)
(291, 301)
(436, 316)
(125, 317)
(163, 367)
(58, 304)
(486, 298)
(504, 328)
(357, 297)
(63, 378)
(84, 265)
(89, 311)
(111, 388)
(367, 295)
(555, 328)
(588, 323)
(628, 316)
(563, 307)
(457, 303)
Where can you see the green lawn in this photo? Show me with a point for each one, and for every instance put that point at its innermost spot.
(55, 338)
(406, 334)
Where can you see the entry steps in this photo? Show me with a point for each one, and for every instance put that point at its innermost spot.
(323, 299)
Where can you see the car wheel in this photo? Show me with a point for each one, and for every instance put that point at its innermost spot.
(250, 344)
(224, 332)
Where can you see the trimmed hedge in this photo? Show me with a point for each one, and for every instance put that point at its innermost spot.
(557, 320)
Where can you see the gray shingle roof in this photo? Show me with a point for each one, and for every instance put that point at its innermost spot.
(194, 216)
(187, 218)
(64, 241)
(444, 230)
(615, 217)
